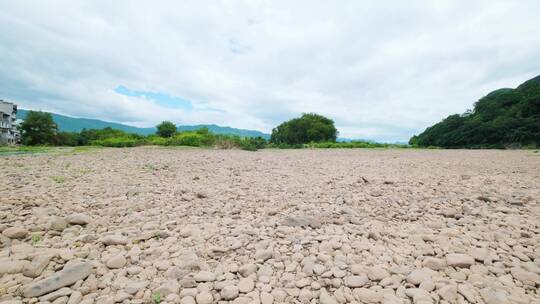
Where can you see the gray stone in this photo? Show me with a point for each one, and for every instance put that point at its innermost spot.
(67, 276)
(78, 219)
(36, 267)
(494, 296)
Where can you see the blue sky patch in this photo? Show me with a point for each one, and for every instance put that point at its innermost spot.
(161, 99)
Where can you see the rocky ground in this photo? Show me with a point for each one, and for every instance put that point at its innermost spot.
(147, 225)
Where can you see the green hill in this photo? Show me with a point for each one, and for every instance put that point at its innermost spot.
(73, 124)
(503, 118)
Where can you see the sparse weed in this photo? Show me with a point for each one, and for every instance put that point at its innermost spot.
(36, 238)
(156, 297)
(58, 179)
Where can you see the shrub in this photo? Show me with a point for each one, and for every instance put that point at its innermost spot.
(192, 139)
(119, 142)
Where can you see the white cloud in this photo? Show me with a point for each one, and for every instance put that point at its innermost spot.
(381, 70)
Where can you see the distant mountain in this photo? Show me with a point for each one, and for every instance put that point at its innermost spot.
(502, 118)
(74, 124)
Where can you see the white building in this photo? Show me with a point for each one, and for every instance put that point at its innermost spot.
(9, 134)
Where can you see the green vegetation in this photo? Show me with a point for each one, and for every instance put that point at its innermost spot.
(505, 118)
(308, 128)
(166, 129)
(58, 179)
(156, 298)
(36, 238)
(38, 128)
(354, 144)
(308, 131)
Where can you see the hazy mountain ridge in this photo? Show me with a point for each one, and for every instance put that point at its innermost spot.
(75, 124)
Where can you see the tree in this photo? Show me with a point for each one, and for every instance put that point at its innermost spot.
(38, 128)
(308, 128)
(166, 129)
(504, 117)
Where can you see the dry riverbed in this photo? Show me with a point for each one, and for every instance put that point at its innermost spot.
(147, 225)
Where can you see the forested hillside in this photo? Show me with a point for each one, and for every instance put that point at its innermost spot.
(503, 118)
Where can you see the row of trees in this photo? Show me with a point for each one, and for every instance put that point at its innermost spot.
(39, 128)
(503, 118)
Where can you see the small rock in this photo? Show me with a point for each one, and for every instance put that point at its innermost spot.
(229, 292)
(356, 281)
(434, 263)
(204, 298)
(168, 288)
(459, 260)
(325, 298)
(75, 298)
(246, 285)
(448, 293)
(417, 276)
(57, 223)
(264, 254)
(78, 219)
(114, 240)
(205, 276)
(39, 263)
(266, 298)
(50, 297)
(494, 296)
(117, 261)
(365, 295)
(377, 273)
(15, 233)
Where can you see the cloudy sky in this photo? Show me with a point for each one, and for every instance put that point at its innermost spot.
(382, 70)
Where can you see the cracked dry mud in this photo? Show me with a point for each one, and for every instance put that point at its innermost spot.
(147, 225)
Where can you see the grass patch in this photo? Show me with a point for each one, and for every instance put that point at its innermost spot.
(58, 179)
(36, 238)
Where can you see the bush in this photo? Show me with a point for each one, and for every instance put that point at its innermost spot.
(192, 139)
(119, 142)
(71, 139)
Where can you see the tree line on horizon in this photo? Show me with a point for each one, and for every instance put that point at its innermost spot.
(39, 128)
(503, 118)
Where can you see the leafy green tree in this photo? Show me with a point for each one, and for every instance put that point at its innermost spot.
(308, 128)
(166, 129)
(503, 118)
(38, 128)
